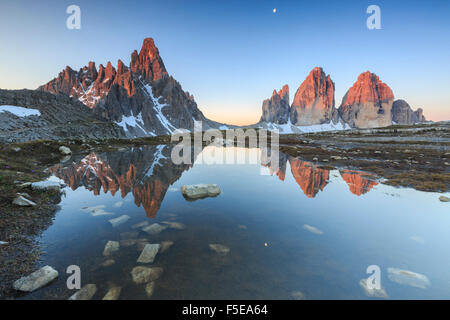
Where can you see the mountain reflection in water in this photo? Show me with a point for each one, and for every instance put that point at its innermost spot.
(148, 172)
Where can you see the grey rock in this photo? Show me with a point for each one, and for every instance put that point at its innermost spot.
(444, 199)
(36, 280)
(150, 288)
(65, 150)
(198, 191)
(402, 113)
(154, 228)
(113, 293)
(409, 278)
(46, 186)
(165, 245)
(23, 202)
(85, 293)
(110, 247)
(373, 293)
(149, 253)
(219, 248)
(145, 274)
(120, 220)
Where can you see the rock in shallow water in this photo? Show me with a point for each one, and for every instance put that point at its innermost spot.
(297, 295)
(374, 293)
(140, 225)
(85, 293)
(165, 245)
(149, 288)
(312, 229)
(198, 191)
(149, 253)
(36, 280)
(444, 199)
(110, 247)
(120, 220)
(113, 293)
(409, 278)
(175, 225)
(219, 248)
(154, 228)
(144, 274)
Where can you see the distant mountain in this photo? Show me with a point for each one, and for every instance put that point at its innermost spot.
(314, 100)
(402, 113)
(369, 103)
(142, 98)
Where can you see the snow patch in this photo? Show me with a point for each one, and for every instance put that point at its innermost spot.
(290, 128)
(20, 111)
(158, 156)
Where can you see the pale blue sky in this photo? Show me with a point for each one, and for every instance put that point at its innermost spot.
(232, 54)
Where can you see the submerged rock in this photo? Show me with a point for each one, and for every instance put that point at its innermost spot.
(36, 280)
(97, 210)
(175, 225)
(444, 199)
(219, 248)
(297, 295)
(140, 225)
(113, 293)
(3, 243)
(108, 263)
(141, 243)
(149, 288)
(85, 293)
(198, 191)
(149, 253)
(129, 235)
(120, 220)
(145, 274)
(373, 293)
(409, 278)
(154, 228)
(127, 242)
(165, 245)
(110, 247)
(65, 150)
(312, 229)
(46, 186)
(23, 202)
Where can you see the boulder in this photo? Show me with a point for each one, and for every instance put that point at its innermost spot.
(149, 253)
(85, 293)
(23, 202)
(110, 247)
(154, 228)
(219, 248)
(198, 191)
(409, 278)
(145, 274)
(118, 221)
(65, 150)
(46, 186)
(113, 293)
(36, 280)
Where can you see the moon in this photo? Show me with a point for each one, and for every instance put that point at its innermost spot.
(274, 10)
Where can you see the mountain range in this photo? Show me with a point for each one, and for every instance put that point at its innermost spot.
(142, 99)
(369, 103)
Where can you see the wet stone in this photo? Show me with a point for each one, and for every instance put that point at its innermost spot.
(120, 220)
(150, 288)
(36, 280)
(154, 228)
(110, 247)
(85, 293)
(373, 293)
(140, 225)
(219, 248)
(409, 278)
(113, 293)
(149, 253)
(165, 245)
(145, 274)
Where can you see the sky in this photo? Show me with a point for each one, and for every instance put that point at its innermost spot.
(231, 54)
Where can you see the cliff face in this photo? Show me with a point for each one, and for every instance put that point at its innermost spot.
(142, 98)
(276, 109)
(402, 113)
(368, 103)
(314, 100)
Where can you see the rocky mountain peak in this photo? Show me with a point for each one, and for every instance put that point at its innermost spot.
(368, 103)
(314, 100)
(276, 109)
(149, 62)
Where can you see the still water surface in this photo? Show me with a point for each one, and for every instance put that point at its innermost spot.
(297, 228)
